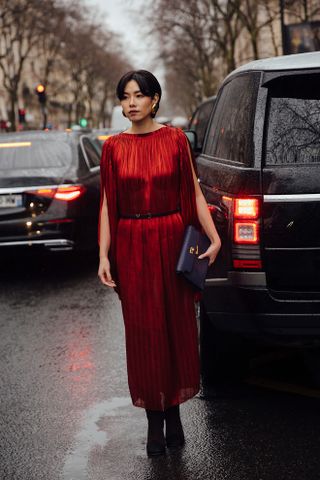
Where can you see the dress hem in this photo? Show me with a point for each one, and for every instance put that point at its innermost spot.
(146, 405)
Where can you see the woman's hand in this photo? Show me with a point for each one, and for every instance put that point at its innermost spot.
(104, 272)
(212, 252)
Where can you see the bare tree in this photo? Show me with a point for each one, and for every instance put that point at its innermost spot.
(75, 56)
(187, 48)
(54, 37)
(111, 66)
(302, 10)
(273, 13)
(199, 41)
(93, 62)
(78, 54)
(21, 22)
(255, 15)
(226, 28)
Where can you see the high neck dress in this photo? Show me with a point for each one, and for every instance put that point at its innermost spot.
(151, 173)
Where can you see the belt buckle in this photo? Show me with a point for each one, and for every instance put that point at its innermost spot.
(149, 215)
(137, 215)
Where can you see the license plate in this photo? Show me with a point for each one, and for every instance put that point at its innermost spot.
(10, 201)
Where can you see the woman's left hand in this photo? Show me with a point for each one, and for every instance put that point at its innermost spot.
(212, 252)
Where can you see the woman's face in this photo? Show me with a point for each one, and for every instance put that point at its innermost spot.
(136, 106)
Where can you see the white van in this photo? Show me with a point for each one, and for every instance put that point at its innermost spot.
(118, 121)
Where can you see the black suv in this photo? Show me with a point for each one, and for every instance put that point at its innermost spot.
(259, 170)
(199, 121)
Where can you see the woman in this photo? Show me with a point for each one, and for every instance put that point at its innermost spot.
(149, 193)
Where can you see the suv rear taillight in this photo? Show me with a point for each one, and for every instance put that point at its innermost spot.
(246, 208)
(66, 193)
(246, 221)
(246, 233)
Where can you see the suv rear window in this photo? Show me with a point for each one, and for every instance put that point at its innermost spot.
(293, 120)
(231, 131)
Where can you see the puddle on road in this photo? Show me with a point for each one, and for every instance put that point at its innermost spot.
(75, 467)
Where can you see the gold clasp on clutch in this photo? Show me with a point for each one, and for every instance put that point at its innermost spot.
(194, 250)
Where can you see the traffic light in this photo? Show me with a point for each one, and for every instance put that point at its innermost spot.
(22, 115)
(83, 122)
(41, 92)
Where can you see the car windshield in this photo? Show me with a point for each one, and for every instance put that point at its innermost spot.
(293, 134)
(34, 155)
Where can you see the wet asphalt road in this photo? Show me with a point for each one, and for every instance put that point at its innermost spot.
(65, 411)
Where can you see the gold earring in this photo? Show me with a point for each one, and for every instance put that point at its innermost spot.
(153, 109)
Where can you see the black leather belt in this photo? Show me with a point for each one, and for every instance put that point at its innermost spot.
(138, 216)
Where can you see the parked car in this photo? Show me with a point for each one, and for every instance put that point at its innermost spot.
(49, 190)
(179, 122)
(199, 121)
(259, 171)
(164, 120)
(102, 134)
(118, 121)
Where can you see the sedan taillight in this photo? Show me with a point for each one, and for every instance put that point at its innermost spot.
(66, 193)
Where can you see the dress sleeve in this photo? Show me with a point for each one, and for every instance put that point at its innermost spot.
(108, 186)
(187, 191)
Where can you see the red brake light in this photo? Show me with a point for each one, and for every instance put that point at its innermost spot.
(246, 232)
(44, 192)
(212, 208)
(246, 224)
(66, 193)
(69, 193)
(247, 264)
(246, 208)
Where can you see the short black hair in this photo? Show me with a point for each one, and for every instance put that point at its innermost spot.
(147, 82)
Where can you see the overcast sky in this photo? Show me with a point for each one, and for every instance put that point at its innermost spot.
(126, 18)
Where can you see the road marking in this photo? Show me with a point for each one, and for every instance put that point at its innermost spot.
(75, 467)
(283, 387)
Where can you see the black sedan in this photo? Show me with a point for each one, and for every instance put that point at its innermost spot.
(49, 190)
(104, 133)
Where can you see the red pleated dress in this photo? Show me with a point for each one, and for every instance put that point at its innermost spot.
(151, 173)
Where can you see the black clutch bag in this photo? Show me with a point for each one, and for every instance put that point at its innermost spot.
(194, 270)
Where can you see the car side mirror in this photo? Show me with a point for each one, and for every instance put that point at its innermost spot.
(192, 137)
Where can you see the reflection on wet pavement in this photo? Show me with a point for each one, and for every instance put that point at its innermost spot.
(65, 409)
(91, 436)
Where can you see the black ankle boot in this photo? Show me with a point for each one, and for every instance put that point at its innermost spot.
(155, 443)
(174, 430)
